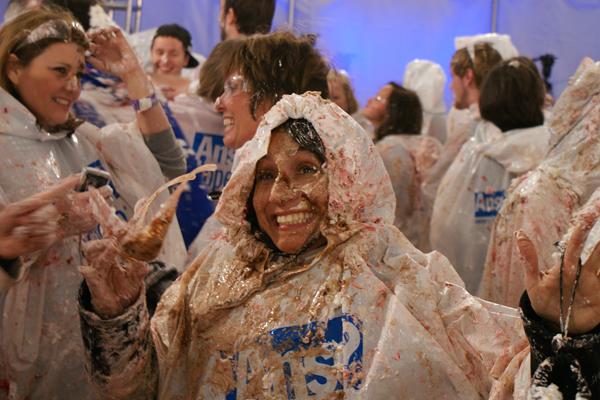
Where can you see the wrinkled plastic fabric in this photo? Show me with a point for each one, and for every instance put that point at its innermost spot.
(429, 81)
(543, 203)
(41, 350)
(460, 126)
(366, 317)
(472, 191)
(408, 159)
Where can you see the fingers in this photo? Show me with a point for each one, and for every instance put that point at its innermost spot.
(529, 253)
(577, 240)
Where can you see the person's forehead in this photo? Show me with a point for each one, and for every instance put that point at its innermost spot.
(168, 41)
(63, 52)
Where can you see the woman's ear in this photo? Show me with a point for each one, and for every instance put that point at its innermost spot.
(13, 69)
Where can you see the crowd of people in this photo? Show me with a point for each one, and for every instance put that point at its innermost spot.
(327, 250)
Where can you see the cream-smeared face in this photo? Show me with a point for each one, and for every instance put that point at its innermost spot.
(168, 55)
(50, 84)
(290, 194)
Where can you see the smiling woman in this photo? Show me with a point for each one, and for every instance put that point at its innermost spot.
(314, 293)
(290, 193)
(42, 147)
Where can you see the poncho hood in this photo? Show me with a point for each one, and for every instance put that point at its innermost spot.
(360, 191)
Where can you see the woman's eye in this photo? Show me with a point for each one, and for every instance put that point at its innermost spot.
(61, 71)
(309, 169)
(265, 176)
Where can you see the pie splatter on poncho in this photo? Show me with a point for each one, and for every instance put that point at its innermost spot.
(365, 316)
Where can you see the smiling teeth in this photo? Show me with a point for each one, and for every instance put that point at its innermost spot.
(61, 101)
(292, 219)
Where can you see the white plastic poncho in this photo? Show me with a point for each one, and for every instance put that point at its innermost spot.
(40, 343)
(408, 159)
(366, 317)
(472, 191)
(543, 202)
(428, 80)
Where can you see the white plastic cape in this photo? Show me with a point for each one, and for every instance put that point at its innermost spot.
(543, 202)
(408, 159)
(472, 191)
(460, 126)
(428, 80)
(40, 342)
(366, 317)
(501, 43)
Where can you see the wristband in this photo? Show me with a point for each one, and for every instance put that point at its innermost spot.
(145, 103)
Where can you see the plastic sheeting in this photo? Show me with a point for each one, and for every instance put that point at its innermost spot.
(365, 317)
(472, 191)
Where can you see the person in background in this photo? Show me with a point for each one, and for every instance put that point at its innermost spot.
(467, 74)
(198, 123)
(170, 54)
(341, 92)
(397, 114)
(511, 141)
(549, 200)
(245, 17)
(42, 58)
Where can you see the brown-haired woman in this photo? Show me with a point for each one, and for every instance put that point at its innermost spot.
(397, 116)
(265, 68)
(42, 55)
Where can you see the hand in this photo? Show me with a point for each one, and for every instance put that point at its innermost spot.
(75, 209)
(543, 288)
(30, 225)
(26, 227)
(110, 52)
(114, 282)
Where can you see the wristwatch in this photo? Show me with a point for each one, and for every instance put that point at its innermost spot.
(145, 103)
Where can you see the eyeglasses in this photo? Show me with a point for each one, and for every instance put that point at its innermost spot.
(234, 85)
(380, 99)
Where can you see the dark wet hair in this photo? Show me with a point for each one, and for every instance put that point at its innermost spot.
(305, 134)
(404, 113)
(512, 95)
(252, 16)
